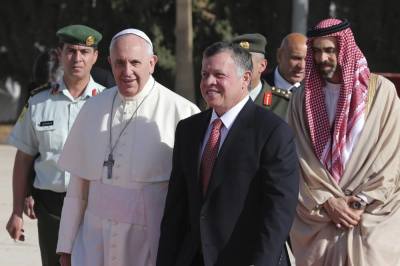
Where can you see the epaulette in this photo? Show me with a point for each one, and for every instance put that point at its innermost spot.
(43, 87)
(282, 93)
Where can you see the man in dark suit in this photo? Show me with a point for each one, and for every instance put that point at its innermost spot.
(269, 96)
(234, 182)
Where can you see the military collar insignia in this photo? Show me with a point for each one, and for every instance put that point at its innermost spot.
(267, 100)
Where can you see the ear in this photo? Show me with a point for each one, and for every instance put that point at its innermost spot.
(263, 65)
(246, 79)
(153, 62)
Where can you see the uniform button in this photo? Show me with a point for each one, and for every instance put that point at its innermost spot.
(115, 235)
(114, 258)
(202, 217)
(113, 246)
(115, 223)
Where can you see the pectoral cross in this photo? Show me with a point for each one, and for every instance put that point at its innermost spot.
(109, 164)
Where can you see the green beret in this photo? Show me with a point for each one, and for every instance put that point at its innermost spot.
(79, 34)
(252, 42)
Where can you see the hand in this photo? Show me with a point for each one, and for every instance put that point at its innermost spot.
(340, 213)
(65, 259)
(15, 227)
(28, 207)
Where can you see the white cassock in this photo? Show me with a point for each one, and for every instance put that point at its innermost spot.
(116, 221)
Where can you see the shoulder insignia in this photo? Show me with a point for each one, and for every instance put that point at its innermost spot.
(94, 92)
(41, 88)
(282, 93)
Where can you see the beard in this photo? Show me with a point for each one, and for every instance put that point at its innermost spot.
(327, 70)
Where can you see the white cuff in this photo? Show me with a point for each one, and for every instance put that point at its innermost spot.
(365, 198)
(71, 218)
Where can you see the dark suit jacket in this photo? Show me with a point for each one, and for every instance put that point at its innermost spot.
(245, 217)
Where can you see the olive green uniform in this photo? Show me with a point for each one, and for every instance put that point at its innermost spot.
(274, 99)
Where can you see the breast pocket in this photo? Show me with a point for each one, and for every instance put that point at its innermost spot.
(49, 135)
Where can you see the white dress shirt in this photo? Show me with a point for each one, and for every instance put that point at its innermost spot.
(227, 120)
(282, 83)
(254, 92)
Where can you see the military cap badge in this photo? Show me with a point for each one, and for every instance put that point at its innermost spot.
(90, 40)
(244, 44)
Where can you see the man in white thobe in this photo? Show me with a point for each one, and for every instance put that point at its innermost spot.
(119, 155)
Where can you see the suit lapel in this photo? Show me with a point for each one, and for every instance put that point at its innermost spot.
(240, 127)
(193, 153)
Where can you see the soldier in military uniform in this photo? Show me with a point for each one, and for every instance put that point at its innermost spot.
(40, 133)
(272, 98)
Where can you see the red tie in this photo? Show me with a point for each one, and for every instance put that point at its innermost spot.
(210, 154)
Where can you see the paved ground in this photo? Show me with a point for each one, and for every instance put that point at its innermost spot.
(14, 253)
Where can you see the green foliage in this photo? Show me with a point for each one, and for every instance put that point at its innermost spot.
(29, 26)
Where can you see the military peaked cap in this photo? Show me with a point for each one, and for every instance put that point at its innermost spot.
(252, 42)
(79, 34)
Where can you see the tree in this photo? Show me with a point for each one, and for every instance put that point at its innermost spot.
(184, 80)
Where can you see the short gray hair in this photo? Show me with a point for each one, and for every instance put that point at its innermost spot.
(241, 57)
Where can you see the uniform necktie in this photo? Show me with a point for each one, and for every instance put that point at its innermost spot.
(210, 154)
